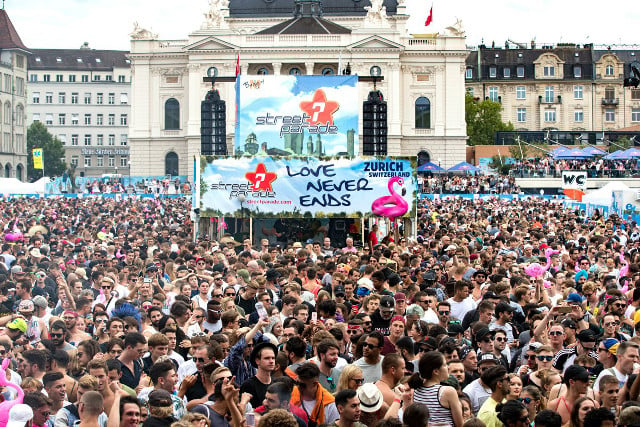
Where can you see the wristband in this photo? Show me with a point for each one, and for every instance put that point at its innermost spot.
(397, 400)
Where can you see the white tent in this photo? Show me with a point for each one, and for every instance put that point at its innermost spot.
(604, 196)
(10, 186)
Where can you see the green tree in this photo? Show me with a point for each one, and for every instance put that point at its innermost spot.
(483, 120)
(52, 150)
(498, 164)
(622, 143)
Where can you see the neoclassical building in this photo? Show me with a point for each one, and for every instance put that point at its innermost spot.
(423, 73)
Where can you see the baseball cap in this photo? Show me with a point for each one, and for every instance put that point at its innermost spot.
(569, 323)
(586, 335)
(576, 373)
(399, 296)
(26, 305)
(611, 344)
(387, 301)
(39, 301)
(18, 324)
(574, 297)
(338, 291)
(503, 306)
(487, 357)
(160, 398)
(455, 329)
(19, 415)
(482, 333)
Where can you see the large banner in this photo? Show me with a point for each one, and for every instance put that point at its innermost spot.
(289, 115)
(268, 187)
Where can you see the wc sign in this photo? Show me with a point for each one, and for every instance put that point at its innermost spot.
(576, 180)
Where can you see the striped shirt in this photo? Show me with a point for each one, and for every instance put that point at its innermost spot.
(430, 396)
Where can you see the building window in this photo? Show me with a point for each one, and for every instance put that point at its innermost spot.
(87, 162)
(33, 78)
(548, 94)
(121, 79)
(262, 71)
(99, 98)
(19, 86)
(112, 98)
(46, 78)
(108, 77)
(87, 98)
(123, 139)
(493, 72)
(48, 98)
(62, 118)
(520, 71)
(36, 117)
(549, 71)
(63, 139)
(522, 115)
(610, 93)
(577, 92)
(577, 71)
(328, 71)
(124, 98)
(123, 162)
(295, 71)
(578, 116)
(35, 97)
(74, 119)
(85, 78)
(171, 164)
(19, 115)
(112, 161)
(112, 139)
(48, 119)
(635, 114)
(99, 119)
(99, 139)
(7, 83)
(493, 93)
(608, 70)
(74, 161)
(123, 120)
(521, 92)
(96, 78)
(74, 139)
(471, 91)
(61, 97)
(7, 113)
(112, 120)
(74, 97)
(100, 161)
(549, 115)
(87, 140)
(171, 114)
(59, 77)
(610, 115)
(423, 113)
(72, 78)
(506, 72)
(87, 119)
(469, 73)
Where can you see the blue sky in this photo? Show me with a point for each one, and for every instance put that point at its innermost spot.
(106, 24)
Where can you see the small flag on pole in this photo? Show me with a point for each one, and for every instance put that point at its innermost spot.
(37, 158)
(429, 18)
(238, 65)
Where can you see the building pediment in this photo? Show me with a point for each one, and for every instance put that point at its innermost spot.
(375, 42)
(210, 43)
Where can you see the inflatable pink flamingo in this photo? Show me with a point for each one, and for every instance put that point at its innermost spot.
(15, 235)
(6, 406)
(536, 270)
(391, 206)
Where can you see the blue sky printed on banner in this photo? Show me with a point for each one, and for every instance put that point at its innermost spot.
(281, 95)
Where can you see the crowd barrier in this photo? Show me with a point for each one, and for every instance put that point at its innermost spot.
(117, 196)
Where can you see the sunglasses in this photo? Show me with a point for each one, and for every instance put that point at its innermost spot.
(525, 400)
(358, 381)
(554, 333)
(230, 294)
(545, 358)
(216, 296)
(56, 335)
(531, 356)
(371, 346)
(443, 313)
(501, 339)
(612, 324)
(199, 360)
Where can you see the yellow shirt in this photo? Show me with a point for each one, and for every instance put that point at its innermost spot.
(488, 415)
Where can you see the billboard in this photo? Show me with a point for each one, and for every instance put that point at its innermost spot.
(306, 187)
(292, 115)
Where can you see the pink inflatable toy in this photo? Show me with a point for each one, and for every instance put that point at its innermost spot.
(8, 404)
(536, 270)
(391, 206)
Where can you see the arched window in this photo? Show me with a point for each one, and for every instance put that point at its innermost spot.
(19, 115)
(423, 113)
(171, 114)
(295, 71)
(171, 164)
(7, 113)
(19, 172)
(423, 157)
(262, 71)
(7, 170)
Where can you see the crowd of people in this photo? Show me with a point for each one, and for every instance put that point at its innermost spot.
(518, 313)
(469, 184)
(596, 167)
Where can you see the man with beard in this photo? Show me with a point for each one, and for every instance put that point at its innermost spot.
(263, 358)
(70, 318)
(497, 380)
(155, 315)
(371, 362)
(194, 384)
(212, 323)
(381, 318)
(59, 337)
(278, 396)
(328, 353)
(32, 363)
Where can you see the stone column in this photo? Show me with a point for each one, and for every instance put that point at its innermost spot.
(277, 67)
(309, 66)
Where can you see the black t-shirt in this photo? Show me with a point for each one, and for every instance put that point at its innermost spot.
(380, 324)
(197, 390)
(256, 388)
(248, 305)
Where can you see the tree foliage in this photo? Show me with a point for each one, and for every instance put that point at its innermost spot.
(52, 150)
(483, 120)
(497, 163)
(621, 143)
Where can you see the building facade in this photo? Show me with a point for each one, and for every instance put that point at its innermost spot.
(82, 96)
(423, 74)
(565, 87)
(13, 101)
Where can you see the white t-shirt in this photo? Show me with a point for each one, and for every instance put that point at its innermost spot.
(622, 378)
(330, 411)
(430, 316)
(459, 309)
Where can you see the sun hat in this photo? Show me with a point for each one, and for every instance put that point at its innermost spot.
(370, 397)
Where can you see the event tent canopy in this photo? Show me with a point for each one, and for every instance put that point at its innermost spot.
(464, 167)
(430, 167)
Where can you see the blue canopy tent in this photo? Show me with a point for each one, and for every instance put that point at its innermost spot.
(593, 151)
(430, 167)
(631, 153)
(614, 156)
(574, 154)
(464, 167)
(559, 151)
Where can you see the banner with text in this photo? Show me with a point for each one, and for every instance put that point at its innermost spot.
(297, 115)
(269, 187)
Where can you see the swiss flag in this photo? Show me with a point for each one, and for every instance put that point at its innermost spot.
(429, 18)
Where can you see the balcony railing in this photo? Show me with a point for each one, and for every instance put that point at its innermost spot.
(550, 100)
(609, 101)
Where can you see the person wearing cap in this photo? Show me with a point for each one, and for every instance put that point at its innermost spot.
(15, 330)
(576, 378)
(627, 355)
(160, 409)
(36, 328)
(477, 390)
(381, 318)
(585, 345)
(461, 302)
(20, 415)
(497, 379)
(503, 317)
(607, 350)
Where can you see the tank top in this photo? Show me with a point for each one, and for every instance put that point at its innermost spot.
(430, 396)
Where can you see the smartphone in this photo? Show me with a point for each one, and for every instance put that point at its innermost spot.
(262, 312)
(564, 309)
(314, 316)
(147, 280)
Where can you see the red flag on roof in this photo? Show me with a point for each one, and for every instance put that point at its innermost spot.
(429, 18)
(238, 65)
